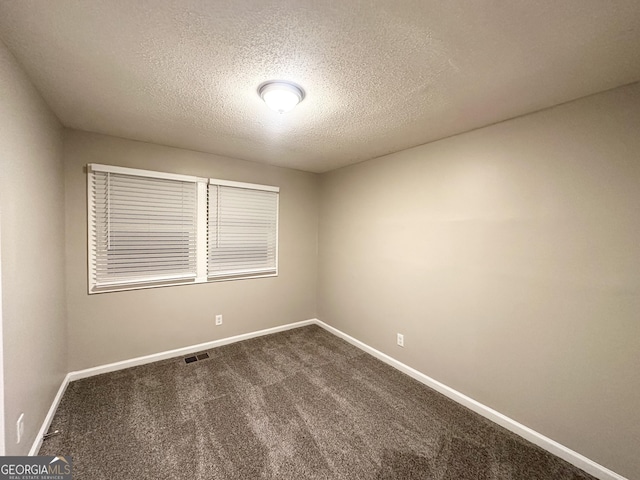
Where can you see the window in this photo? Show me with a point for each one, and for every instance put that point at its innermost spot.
(243, 230)
(150, 229)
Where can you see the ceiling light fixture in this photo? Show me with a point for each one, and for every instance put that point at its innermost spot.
(281, 96)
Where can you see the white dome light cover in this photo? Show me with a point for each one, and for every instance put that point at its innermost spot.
(281, 96)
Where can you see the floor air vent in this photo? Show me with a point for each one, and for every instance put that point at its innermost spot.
(195, 358)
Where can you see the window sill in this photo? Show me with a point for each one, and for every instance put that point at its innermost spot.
(178, 282)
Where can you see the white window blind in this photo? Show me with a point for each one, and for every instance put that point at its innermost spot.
(242, 230)
(141, 229)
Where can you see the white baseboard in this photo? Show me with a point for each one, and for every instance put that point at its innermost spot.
(523, 431)
(178, 352)
(49, 418)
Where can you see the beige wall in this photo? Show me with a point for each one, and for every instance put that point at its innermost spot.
(32, 216)
(108, 327)
(509, 258)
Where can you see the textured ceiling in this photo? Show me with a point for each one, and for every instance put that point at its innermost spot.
(380, 76)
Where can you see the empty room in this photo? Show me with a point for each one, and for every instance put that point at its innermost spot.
(315, 239)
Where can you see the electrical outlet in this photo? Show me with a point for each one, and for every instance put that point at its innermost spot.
(400, 340)
(20, 428)
(218, 319)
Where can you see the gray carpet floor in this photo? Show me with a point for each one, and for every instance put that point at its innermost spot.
(301, 404)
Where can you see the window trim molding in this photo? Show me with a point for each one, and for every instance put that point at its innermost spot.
(96, 167)
(202, 275)
(250, 186)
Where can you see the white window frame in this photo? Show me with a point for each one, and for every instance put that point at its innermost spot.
(202, 225)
